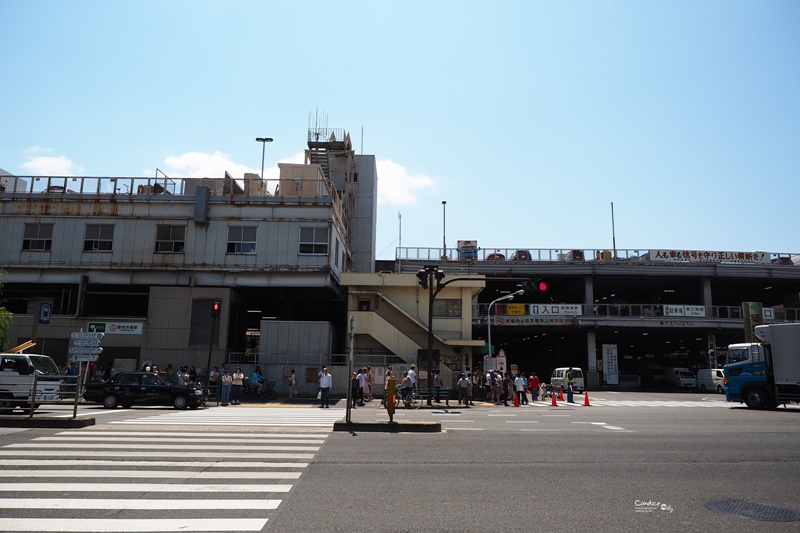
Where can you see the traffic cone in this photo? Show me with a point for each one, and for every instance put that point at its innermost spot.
(516, 399)
(561, 394)
(553, 396)
(586, 399)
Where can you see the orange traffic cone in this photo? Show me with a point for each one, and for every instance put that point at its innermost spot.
(516, 399)
(586, 399)
(561, 394)
(553, 396)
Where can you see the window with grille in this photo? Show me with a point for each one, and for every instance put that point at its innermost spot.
(99, 238)
(314, 241)
(38, 237)
(170, 239)
(447, 308)
(241, 239)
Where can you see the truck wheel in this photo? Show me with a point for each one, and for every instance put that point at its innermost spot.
(755, 399)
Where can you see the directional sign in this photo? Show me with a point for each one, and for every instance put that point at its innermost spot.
(85, 351)
(86, 335)
(85, 357)
(89, 343)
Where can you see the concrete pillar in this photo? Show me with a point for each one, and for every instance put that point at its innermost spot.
(588, 297)
(593, 373)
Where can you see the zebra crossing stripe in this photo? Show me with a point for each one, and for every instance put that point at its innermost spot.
(130, 446)
(171, 464)
(311, 433)
(138, 487)
(240, 440)
(140, 525)
(137, 505)
(149, 474)
(180, 455)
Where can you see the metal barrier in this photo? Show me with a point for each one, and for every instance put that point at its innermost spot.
(67, 389)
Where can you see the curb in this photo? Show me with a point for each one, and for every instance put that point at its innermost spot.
(388, 427)
(46, 422)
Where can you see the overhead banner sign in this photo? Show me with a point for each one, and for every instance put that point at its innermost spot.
(685, 310)
(706, 256)
(556, 309)
(117, 328)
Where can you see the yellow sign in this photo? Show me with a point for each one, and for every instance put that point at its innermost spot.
(515, 309)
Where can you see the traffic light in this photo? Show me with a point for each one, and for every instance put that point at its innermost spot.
(439, 275)
(535, 285)
(422, 276)
(216, 306)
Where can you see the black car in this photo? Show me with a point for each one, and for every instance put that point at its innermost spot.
(144, 388)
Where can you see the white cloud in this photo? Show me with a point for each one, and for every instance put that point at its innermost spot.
(35, 149)
(50, 166)
(397, 186)
(205, 165)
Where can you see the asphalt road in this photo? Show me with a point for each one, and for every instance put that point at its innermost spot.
(629, 462)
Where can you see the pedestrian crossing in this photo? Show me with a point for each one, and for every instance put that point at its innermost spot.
(244, 416)
(659, 403)
(115, 479)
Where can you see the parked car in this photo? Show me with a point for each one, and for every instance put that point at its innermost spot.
(144, 388)
(17, 372)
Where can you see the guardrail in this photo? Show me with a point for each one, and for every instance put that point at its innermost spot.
(70, 387)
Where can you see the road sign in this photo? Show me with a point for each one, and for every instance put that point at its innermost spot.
(90, 343)
(84, 357)
(86, 335)
(85, 351)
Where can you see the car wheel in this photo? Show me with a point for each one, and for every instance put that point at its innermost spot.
(755, 399)
(6, 405)
(720, 389)
(110, 401)
(180, 402)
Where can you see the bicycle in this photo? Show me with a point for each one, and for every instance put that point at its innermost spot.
(411, 400)
(251, 391)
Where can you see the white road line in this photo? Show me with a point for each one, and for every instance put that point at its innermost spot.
(148, 474)
(162, 454)
(130, 446)
(138, 487)
(100, 525)
(311, 433)
(133, 505)
(458, 421)
(613, 427)
(463, 429)
(200, 440)
(171, 464)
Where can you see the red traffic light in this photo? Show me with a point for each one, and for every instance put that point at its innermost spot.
(542, 286)
(216, 306)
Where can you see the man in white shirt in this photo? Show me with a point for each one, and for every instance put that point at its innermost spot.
(325, 382)
(412, 375)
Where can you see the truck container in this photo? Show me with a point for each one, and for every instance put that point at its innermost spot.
(765, 374)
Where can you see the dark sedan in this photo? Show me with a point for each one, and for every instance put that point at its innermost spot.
(143, 388)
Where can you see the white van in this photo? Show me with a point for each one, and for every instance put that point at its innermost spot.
(17, 371)
(710, 379)
(558, 379)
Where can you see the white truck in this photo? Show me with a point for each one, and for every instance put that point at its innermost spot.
(680, 377)
(765, 374)
(17, 373)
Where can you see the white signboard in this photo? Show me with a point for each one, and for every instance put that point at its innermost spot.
(610, 364)
(685, 310)
(85, 335)
(556, 309)
(708, 256)
(117, 328)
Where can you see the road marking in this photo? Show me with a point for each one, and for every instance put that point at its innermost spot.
(149, 474)
(100, 525)
(463, 429)
(138, 487)
(202, 440)
(143, 504)
(311, 433)
(171, 464)
(204, 455)
(130, 446)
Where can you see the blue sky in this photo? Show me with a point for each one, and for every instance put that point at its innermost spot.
(527, 117)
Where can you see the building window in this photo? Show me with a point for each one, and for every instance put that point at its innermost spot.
(364, 305)
(38, 237)
(241, 239)
(99, 238)
(314, 240)
(447, 308)
(170, 239)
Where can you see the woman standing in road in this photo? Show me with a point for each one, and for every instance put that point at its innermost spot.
(236, 386)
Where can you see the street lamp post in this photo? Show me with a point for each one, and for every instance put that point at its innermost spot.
(444, 227)
(489, 314)
(263, 141)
